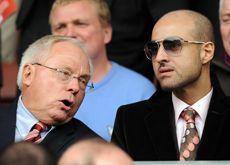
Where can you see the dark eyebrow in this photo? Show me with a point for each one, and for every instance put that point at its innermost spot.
(59, 24)
(79, 20)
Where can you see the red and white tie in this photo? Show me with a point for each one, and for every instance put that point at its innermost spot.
(35, 133)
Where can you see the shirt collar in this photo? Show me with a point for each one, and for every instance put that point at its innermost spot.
(25, 120)
(201, 106)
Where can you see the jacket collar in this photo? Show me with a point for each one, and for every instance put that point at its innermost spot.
(161, 126)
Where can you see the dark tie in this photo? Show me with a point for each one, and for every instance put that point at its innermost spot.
(35, 133)
(190, 140)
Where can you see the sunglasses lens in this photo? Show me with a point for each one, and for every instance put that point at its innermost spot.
(151, 49)
(172, 45)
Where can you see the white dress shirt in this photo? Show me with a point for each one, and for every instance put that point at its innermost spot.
(201, 107)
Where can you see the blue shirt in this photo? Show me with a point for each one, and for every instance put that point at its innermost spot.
(120, 86)
(24, 122)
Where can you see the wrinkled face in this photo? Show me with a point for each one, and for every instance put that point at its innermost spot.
(80, 20)
(225, 25)
(53, 100)
(182, 69)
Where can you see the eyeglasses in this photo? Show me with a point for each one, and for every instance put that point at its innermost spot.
(66, 76)
(171, 45)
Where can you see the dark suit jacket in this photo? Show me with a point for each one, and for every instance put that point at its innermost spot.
(146, 130)
(32, 21)
(222, 72)
(56, 141)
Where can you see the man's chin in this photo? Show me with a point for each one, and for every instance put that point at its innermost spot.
(167, 87)
(60, 119)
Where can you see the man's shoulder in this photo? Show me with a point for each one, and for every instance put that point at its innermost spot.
(81, 128)
(140, 107)
(219, 65)
(8, 109)
(158, 100)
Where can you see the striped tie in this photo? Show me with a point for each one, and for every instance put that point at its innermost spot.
(35, 133)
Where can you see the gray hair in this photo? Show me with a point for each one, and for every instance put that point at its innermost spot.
(220, 6)
(39, 51)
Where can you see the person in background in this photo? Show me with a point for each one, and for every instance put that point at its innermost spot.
(131, 29)
(221, 67)
(188, 118)
(25, 153)
(114, 85)
(52, 77)
(94, 152)
(32, 23)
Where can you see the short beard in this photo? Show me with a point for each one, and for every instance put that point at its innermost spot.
(180, 84)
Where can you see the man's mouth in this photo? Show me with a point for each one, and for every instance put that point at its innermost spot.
(165, 71)
(67, 103)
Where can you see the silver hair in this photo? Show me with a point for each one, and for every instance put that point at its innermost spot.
(220, 7)
(39, 51)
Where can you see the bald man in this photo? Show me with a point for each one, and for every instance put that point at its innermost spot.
(189, 118)
(94, 152)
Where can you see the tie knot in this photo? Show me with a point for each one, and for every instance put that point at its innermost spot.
(189, 114)
(35, 133)
(40, 127)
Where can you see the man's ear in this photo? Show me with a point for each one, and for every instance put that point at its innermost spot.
(28, 74)
(107, 34)
(207, 52)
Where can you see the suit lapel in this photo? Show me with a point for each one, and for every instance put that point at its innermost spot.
(59, 137)
(213, 128)
(8, 125)
(161, 128)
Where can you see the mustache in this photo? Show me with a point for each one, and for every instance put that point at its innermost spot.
(163, 65)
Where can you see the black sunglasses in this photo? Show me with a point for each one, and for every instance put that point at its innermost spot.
(172, 46)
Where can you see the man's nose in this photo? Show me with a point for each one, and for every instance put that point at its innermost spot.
(162, 55)
(73, 86)
(70, 32)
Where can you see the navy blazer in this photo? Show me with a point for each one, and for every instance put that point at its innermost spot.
(57, 140)
(146, 130)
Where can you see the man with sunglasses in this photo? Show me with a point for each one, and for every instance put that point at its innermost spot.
(52, 77)
(188, 118)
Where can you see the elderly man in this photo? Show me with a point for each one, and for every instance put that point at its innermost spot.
(189, 118)
(221, 65)
(114, 85)
(52, 77)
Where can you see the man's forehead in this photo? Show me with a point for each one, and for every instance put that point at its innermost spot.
(69, 53)
(66, 46)
(170, 26)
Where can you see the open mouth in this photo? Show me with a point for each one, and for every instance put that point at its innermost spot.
(67, 103)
